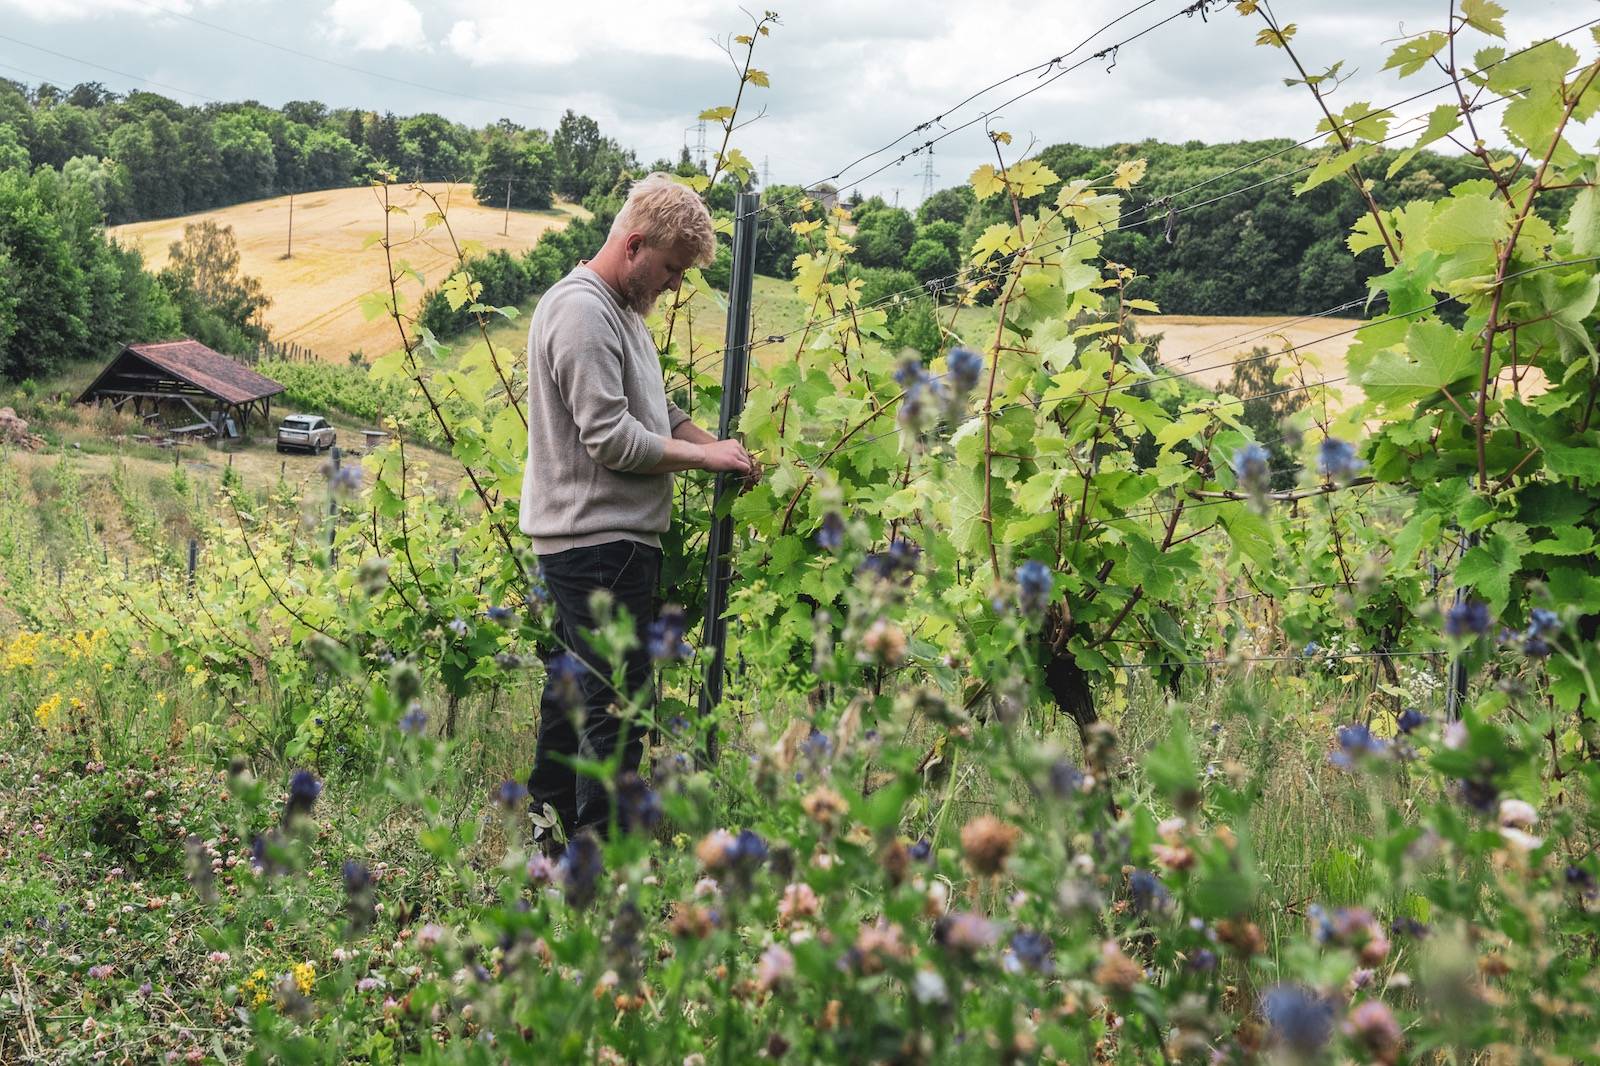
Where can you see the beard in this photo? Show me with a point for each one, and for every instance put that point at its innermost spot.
(637, 295)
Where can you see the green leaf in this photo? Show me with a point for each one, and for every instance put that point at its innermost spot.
(1582, 463)
(1442, 121)
(1489, 566)
(1411, 56)
(1250, 533)
(1435, 356)
(1484, 16)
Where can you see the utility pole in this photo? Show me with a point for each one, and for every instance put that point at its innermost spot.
(289, 253)
(928, 175)
(897, 196)
(505, 228)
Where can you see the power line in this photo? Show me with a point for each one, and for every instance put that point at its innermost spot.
(979, 274)
(1047, 64)
(110, 70)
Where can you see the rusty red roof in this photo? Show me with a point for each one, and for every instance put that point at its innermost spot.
(202, 367)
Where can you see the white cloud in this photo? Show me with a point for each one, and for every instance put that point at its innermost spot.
(375, 25)
(78, 10)
(515, 32)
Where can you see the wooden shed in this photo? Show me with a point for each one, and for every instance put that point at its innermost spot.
(186, 375)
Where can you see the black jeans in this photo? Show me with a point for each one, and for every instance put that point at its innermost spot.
(630, 571)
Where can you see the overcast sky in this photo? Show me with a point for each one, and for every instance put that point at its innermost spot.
(848, 76)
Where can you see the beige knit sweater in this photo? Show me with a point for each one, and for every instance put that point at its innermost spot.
(597, 416)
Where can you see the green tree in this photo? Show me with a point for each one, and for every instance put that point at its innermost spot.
(518, 163)
(47, 292)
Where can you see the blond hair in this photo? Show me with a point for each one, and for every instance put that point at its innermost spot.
(667, 212)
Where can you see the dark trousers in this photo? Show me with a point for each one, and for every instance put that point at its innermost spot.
(630, 571)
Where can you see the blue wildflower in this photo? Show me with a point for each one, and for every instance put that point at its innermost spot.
(579, 869)
(1356, 742)
(817, 746)
(830, 534)
(904, 554)
(1336, 459)
(1035, 582)
(1543, 621)
(510, 795)
(1203, 961)
(1536, 647)
(1312, 648)
(500, 615)
(1467, 618)
(1410, 720)
(638, 805)
(747, 852)
(1065, 778)
(910, 373)
(1146, 891)
(1250, 467)
(664, 636)
(964, 367)
(415, 720)
(922, 850)
(565, 674)
(1298, 1019)
(304, 788)
(458, 626)
(1479, 793)
(1033, 950)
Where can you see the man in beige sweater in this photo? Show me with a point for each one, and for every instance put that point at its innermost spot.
(603, 444)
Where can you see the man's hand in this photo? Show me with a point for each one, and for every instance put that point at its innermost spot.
(729, 457)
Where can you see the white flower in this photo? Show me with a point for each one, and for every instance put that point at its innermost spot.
(1519, 841)
(776, 967)
(929, 987)
(1518, 814)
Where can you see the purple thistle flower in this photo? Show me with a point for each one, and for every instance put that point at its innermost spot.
(1467, 618)
(1203, 961)
(910, 373)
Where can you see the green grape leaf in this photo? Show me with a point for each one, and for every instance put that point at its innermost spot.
(1435, 356)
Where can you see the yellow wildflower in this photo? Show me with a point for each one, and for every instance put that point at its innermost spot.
(47, 709)
(305, 975)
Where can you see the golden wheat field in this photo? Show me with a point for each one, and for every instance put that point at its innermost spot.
(1205, 347)
(316, 294)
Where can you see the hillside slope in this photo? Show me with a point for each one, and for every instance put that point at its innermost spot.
(316, 294)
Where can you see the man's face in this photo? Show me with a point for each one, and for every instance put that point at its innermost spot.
(652, 270)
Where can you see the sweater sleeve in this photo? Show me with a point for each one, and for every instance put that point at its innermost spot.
(676, 416)
(586, 355)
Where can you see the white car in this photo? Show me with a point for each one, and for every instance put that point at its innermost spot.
(310, 432)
